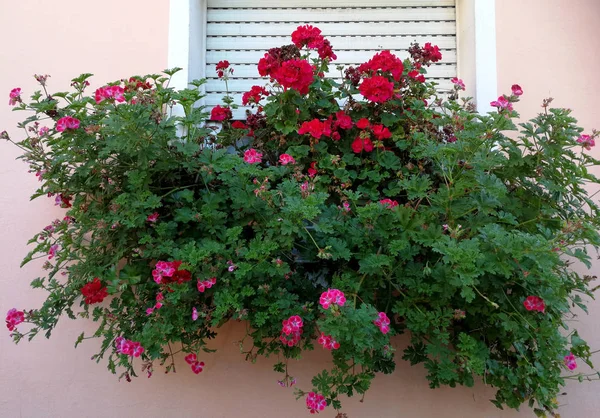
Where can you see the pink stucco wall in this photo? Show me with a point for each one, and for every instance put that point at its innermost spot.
(543, 45)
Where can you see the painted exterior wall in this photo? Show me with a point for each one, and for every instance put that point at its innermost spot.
(547, 46)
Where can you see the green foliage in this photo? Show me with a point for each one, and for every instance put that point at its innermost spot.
(475, 222)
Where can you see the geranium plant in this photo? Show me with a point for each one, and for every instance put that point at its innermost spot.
(340, 212)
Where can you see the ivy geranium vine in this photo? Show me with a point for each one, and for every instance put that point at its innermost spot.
(348, 206)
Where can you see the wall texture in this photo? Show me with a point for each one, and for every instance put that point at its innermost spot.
(542, 45)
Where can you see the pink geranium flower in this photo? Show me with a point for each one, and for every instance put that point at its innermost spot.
(516, 90)
(332, 297)
(286, 159)
(14, 97)
(586, 141)
(14, 318)
(152, 217)
(252, 156)
(458, 83)
(570, 361)
(534, 303)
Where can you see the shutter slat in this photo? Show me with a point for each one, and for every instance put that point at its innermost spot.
(331, 15)
(343, 57)
(244, 85)
(332, 29)
(338, 42)
(251, 71)
(245, 4)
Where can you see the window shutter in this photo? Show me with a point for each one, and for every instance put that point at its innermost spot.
(241, 31)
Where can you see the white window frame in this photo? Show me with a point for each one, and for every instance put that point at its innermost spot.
(476, 46)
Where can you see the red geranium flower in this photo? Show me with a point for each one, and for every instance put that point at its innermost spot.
(307, 36)
(377, 89)
(314, 127)
(94, 292)
(361, 144)
(219, 113)
(295, 74)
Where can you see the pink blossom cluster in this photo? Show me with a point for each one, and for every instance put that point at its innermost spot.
(192, 360)
(570, 361)
(315, 402)
(157, 305)
(110, 92)
(153, 217)
(586, 141)
(14, 318)
(332, 297)
(67, 122)
(328, 342)
(534, 303)
(383, 322)
(206, 284)
(458, 83)
(163, 269)
(291, 330)
(14, 97)
(128, 347)
(252, 156)
(286, 159)
(502, 103)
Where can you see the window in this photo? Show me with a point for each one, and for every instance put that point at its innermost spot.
(203, 32)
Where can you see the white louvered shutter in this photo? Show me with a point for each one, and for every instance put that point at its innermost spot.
(240, 31)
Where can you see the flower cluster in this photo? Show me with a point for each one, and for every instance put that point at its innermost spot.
(115, 93)
(128, 347)
(94, 292)
(14, 96)
(254, 96)
(570, 361)
(195, 365)
(383, 322)
(67, 122)
(168, 272)
(328, 342)
(332, 297)
(285, 159)
(159, 298)
(291, 330)
(310, 36)
(222, 68)
(220, 114)
(252, 156)
(202, 285)
(377, 89)
(315, 402)
(14, 318)
(586, 141)
(534, 303)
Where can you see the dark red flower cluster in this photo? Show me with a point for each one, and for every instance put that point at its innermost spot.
(426, 55)
(94, 292)
(384, 62)
(254, 96)
(136, 84)
(219, 113)
(377, 89)
(431, 53)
